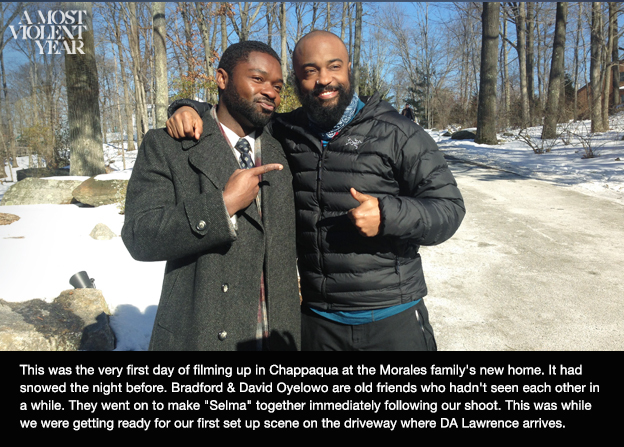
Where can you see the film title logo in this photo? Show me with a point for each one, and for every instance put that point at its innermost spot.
(54, 32)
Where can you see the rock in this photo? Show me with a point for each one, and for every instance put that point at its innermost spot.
(102, 233)
(40, 172)
(76, 320)
(100, 192)
(463, 135)
(447, 134)
(36, 191)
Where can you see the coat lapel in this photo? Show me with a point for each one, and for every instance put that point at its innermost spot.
(213, 157)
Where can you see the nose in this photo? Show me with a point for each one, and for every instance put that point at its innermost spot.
(268, 91)
(324, 78)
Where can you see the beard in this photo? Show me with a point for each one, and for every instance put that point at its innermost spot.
(237, 106)
(324, 115)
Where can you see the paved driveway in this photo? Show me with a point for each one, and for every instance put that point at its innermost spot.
(534, 266)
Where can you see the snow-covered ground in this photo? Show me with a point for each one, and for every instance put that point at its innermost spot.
(42, 250)
(565, 161)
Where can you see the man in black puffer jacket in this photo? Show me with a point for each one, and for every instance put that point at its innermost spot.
(370, 188)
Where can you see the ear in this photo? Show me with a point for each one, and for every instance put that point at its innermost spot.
(221, 78)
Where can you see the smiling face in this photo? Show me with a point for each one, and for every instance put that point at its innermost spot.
(251, 94)
(323, 77)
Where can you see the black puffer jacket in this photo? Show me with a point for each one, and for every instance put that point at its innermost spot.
(383, 154)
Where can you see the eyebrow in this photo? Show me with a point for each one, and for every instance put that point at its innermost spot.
(311, 64)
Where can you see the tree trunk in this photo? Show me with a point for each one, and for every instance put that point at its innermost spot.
(328, 21)
(120, 120)
(269, 20)
(615, 59)
(521, 49)
(343, 21)
(605, 73)
(137, 72)
(506, 82)
(83, 108)
(284, 42)
(357, 45)
(576, 59)
(160, 64)
(203, 23)
(556, 74)
(597, 124)
(486, 113)
(124, 82)
(530, 58)
(224, 36)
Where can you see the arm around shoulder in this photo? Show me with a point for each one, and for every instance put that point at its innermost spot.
(200, 107)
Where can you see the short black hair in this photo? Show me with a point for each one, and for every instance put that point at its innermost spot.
(239, 52)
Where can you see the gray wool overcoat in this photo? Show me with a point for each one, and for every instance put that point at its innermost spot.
(175, 212)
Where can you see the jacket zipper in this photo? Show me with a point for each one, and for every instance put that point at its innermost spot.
(319, 241)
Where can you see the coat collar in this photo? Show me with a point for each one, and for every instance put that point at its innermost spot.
(213, 157)
(211, 154)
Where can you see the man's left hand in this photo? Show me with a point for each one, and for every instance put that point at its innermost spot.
(365, 217)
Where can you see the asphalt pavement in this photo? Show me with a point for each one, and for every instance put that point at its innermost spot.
(534, 267)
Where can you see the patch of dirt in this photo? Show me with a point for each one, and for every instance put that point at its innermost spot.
(7, 219)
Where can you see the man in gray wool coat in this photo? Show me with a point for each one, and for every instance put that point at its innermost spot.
(220, 211)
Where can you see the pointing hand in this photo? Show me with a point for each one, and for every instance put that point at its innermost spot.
(243, 185)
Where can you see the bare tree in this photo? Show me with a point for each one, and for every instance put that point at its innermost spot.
(556, 73)
(577, 40)
(357, 46)
(224, 13)
(505, 75)
(247, 19)
(520, 21)
(283, 41)
(138, 67)
(160, 62)
(204, 21)
(597, 123)
(87, 155)
(615, 58)
(114, 18)
(8, 12)
(530, 57)
(486, 113)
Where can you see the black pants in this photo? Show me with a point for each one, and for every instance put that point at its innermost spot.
(406, 331)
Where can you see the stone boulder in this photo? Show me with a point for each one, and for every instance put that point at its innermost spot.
(40, 172)
(37, 191)
(76, 320)
(463, 135)
(102, 233)
(101, 192)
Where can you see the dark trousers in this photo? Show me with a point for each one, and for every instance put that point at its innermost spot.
(406, 331)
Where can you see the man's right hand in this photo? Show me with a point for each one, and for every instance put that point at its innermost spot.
(185, 123)
(243, 185)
